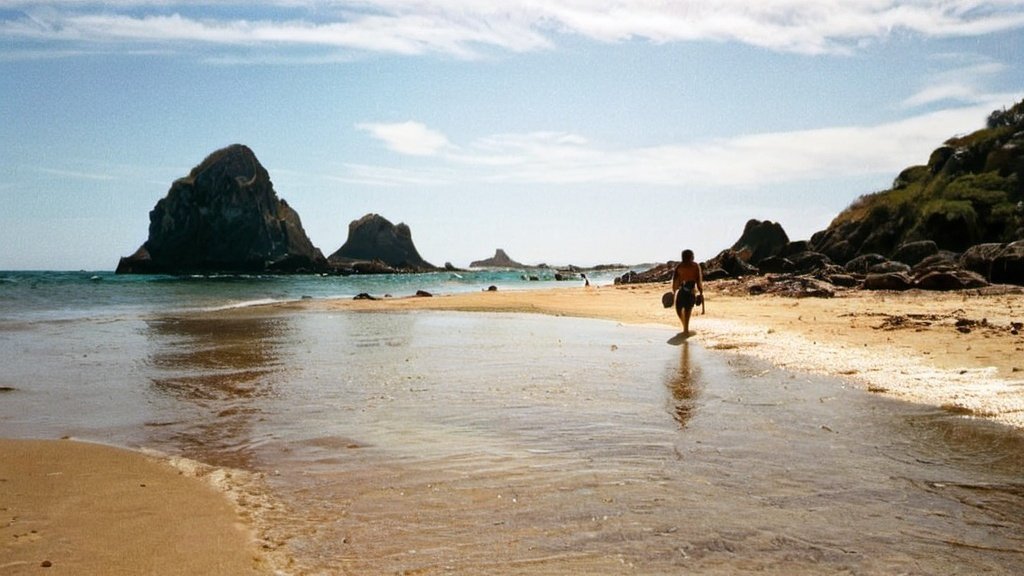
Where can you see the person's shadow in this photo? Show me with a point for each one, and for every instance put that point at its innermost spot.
(679, 339)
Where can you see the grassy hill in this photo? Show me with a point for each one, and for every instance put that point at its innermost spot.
(970, 192)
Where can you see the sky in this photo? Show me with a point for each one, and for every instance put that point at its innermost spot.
(563, 131)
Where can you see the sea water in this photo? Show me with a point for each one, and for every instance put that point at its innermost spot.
(439, 442)
(67, 295)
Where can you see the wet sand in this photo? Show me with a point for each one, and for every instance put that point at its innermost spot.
(76, 508)
(709, 464)
(961, 351)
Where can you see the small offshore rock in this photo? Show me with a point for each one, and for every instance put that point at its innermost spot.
(424, 294)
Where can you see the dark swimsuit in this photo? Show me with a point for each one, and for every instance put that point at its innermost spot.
(685, 298)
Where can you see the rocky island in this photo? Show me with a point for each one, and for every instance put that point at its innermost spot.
(375, 245)
(224, 217)
(499, 260)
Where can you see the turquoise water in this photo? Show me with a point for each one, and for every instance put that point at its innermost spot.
(67, 295)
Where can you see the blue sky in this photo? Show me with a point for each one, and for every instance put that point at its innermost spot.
(564, 131)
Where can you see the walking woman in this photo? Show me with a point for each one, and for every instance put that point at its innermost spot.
(686, 279)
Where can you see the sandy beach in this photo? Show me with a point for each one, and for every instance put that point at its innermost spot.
(76, 508)
(958, 350)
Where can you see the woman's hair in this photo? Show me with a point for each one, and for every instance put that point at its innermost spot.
(687, 255)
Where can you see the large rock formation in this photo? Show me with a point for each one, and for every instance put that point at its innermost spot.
(761, 240)
(373, 238)
(499, 260)
(224, 217)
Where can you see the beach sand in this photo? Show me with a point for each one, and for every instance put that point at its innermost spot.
(76, 508)
(962, 351)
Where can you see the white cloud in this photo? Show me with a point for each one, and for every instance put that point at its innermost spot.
(964, 84)
(744, 161)
(463, 28)
(390, 176)
(410, 138)
(76, 174)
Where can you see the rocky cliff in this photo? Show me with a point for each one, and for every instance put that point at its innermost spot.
(373, 238)
(499, 260)
(224, 217)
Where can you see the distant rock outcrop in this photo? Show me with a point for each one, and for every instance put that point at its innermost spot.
(499, 260)
(373, 238)
(224, 217)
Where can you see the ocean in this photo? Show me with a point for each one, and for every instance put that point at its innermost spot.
(485, 443)
(34, 295)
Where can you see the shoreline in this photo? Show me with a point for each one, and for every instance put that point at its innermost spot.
(959, 351)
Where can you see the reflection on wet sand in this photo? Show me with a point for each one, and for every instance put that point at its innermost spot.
(219, 371)
(683, 387)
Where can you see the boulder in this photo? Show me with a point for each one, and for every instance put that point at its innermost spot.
(998, 263)
(889, 281)
(715, 274)
(950, 280)
(761, 240)
(861, 264)
(834, 245)
(795, 247)
(843, 280)
(374, 238)
(499, 260)
(809, 262)
(630, 277)
(224, 217)
(913, 252)
(731, 262)
(776, 265)
(979, 258)
(1008, 265)
(791, 286)
(943, 260)
(889, 267)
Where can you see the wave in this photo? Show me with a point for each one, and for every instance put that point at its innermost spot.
(249, 304)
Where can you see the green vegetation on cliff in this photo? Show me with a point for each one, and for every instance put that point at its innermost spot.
(970, 192)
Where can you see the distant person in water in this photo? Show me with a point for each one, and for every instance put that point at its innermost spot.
(686, 279)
